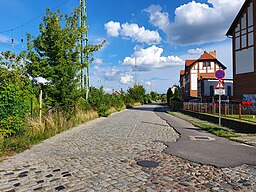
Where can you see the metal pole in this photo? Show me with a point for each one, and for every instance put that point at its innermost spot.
(135, 70)
(82, 41)
(219, 111)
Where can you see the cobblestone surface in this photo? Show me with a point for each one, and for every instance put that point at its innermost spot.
(92, 157)
(101, 156)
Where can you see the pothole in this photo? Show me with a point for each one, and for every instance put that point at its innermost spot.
(147, 163)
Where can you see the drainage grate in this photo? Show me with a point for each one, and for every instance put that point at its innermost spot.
(201, 138)
(147, 163)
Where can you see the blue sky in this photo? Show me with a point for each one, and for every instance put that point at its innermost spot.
(159, 35)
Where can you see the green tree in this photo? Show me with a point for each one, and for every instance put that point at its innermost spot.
(54, 55)
(137, 93)
(169, 95)
(154, 95)
(14, 94)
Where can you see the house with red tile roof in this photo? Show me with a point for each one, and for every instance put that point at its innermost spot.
(202, 68)
(243, 34)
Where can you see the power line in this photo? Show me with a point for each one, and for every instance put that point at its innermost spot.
(31, 20)
(8, 47)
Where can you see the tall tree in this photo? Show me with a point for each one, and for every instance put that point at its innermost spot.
(54, 55)
(137, 93)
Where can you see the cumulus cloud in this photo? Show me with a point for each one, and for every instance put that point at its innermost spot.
(126, 79)
(133, 32)
(151, 57)
(109, 74)
(112, 28)
(196, 23)
(196, 51)
(97, 61)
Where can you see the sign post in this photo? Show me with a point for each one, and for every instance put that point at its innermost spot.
(220, 89)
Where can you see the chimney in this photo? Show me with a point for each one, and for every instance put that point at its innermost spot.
(213, 53)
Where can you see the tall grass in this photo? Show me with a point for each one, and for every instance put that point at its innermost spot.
(36, 131)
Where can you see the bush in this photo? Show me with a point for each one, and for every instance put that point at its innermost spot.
(14, 98)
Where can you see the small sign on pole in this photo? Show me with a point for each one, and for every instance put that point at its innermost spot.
(220, 74)
(220, 85)
(220, 89)
(219, 92)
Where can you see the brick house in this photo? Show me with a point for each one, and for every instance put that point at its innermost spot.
(243, 36)
(202, 68)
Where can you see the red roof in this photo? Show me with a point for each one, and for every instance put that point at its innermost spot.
(182, 72)
(206, 56)
(189, 62)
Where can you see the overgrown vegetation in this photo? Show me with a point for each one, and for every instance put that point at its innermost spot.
(53, 56)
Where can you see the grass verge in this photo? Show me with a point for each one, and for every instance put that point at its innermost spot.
(211, 129)
(35, 132)
(215, 130)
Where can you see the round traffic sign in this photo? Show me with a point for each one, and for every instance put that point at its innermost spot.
(220, 74)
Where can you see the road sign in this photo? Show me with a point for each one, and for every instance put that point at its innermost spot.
(219, 92)
(220, 74)
(220, 85)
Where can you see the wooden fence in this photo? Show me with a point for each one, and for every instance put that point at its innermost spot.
(213, 108)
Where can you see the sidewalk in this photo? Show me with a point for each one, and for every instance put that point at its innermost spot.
(244, 138)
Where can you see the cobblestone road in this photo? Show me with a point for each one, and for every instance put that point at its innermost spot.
(101, 156)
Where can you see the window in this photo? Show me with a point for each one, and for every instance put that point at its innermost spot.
(250, 39)
(238, 43)
(206, 64)
(244, 41)
(244, 31)
(250, 15)
(243, 21)
(211, 91)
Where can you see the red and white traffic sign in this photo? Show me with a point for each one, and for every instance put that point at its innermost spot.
(219, 85)
(220, 74)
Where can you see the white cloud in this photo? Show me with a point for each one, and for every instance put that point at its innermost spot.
(196, 51)
(109, 74)
(133, 32)
(126, 79)
(151, 57)
(112, 28)
(97, 61)
(196, 23)
(157, 17)
(148, 83)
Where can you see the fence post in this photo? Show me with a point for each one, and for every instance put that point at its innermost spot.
(40, 105)
(240, 111)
